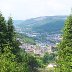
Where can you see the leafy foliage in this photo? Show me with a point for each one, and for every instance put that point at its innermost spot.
(26, 39)
(12, 58)
(65, 48)
(48, 58)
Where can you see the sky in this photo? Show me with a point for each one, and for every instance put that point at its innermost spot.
(26, 9)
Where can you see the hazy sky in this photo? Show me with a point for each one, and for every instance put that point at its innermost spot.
(25, 9)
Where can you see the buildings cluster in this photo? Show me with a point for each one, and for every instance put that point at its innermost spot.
(37, 49)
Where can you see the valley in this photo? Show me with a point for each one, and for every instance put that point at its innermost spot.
(39, 37)
(44, 30)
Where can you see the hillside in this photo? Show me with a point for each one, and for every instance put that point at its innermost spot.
(51, 27)
(40, 24)
(26, 39)
(46, 29)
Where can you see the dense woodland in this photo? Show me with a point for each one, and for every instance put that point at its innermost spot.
(15, 59)
(64, 62)
(12, 58)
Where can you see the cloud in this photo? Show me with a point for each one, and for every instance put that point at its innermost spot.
(24, 9)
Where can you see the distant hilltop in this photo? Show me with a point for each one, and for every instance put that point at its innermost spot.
(50, 24)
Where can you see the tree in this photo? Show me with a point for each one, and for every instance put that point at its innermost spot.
(3, 30)
(7, 63)
(28, 62)
(10, 30)
(48, 58)
(11, 36)
(12, 58)
(65, 48)
(33, 64)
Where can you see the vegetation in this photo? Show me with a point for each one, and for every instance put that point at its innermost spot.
(50, 24)
(15, 59)
(48, 58)
(26, 39)
(65, 48)
(12, 58)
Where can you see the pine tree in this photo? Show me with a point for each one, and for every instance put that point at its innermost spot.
(65, 48)
(11, 36)
(10, 30)
(11, 59)
(3, 29)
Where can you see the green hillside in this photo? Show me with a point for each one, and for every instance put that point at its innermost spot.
(41, 24)
(26, 39)
(51, 27)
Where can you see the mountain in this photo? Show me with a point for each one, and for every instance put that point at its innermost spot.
(46, 29)
(50, 24)
(54, 26)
